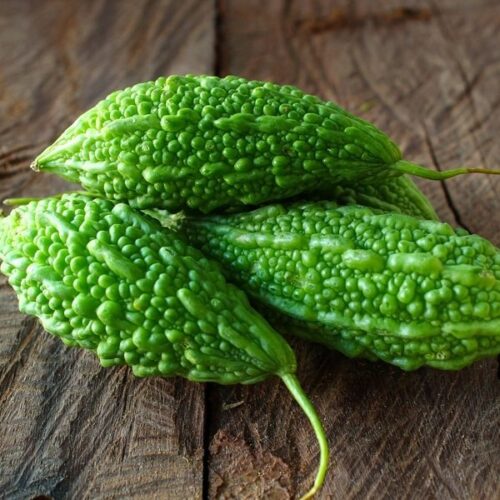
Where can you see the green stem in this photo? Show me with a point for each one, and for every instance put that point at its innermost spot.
(407, 167)
(15, 202)
(298, 393)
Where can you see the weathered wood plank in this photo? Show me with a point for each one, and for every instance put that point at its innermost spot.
(68, 428)
(413, 69)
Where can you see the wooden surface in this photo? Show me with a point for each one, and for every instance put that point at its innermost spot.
(428, 73)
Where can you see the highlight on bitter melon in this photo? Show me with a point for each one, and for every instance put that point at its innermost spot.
(207, 143)
(108, 279)
(368, 283)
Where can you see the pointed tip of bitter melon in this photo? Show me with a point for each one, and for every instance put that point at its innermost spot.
(299, 395)
(406, 167)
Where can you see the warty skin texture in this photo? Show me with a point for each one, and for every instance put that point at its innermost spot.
(111, 280)
(205, 143)
(379, 285)
(394, 194)
(107, 278)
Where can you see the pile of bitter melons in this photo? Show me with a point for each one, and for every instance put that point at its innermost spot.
(370, 271)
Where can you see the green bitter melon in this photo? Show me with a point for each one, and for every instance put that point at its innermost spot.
(111, 280)
(207, 143)
(368, 283)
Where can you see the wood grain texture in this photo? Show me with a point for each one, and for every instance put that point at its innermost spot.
(425, 72)
(68, 428)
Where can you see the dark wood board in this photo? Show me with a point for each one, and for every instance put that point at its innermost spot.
(425, 72)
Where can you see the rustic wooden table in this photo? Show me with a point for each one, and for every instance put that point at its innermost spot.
(426, 72)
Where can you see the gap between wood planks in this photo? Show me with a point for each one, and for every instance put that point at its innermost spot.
(209, 390)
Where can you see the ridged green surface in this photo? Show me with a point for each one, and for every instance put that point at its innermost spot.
(410, 292)
(394, 194)
(109, 279)
(203, 142)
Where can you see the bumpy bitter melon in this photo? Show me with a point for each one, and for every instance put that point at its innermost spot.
(206, 143)
(410, 292)
(109, 279)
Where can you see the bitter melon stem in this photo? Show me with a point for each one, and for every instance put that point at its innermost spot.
(16, 202)
(409, 168)
(299, 395)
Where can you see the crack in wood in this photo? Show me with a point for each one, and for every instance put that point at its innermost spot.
(444, 186)
(469, 84)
